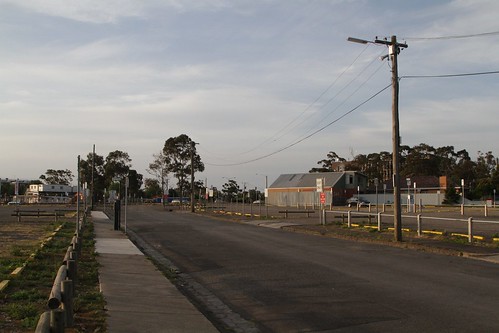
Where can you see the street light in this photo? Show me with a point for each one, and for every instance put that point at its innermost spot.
(394, 49)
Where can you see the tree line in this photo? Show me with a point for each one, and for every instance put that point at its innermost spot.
(109, 173)
(481, 175)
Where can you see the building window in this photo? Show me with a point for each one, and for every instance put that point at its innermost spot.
(350, 179)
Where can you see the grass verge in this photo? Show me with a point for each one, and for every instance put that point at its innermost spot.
(25, 299)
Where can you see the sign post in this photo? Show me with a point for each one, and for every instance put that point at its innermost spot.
(320, 188)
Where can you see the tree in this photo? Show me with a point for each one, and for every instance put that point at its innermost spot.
(327, 164)
(420, 161)
(97, 162)
(135, 183)
(231, 189)
(152, 188)
(178, 152)
(451, 196)
(60, 177)
(116, 167)
(159, 168)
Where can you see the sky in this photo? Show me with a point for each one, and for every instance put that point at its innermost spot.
(264, 87)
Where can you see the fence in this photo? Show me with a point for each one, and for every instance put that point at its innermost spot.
(40, 213)
(419, 219)
(60, 301)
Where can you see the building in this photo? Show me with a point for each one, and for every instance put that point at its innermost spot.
(49, 193)
(300, 189)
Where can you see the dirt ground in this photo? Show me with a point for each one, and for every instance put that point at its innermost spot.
(17, 238)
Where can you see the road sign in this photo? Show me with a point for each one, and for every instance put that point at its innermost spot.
(320, 184)
(323, 197)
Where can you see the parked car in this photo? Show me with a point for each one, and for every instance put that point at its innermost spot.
(13, 203)
(354, 201)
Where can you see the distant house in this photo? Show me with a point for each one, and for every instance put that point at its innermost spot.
(424, 184)
(49, 193)
(300, 189)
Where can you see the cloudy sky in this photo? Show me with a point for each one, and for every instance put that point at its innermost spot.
(265, 87)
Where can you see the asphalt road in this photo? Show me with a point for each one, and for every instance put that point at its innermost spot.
(290, 282)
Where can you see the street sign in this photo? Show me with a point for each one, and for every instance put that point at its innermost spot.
(320, 184)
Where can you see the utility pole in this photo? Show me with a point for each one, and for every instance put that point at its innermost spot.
(393, 51)
(78, 198)
(192, 175)
(92, 181)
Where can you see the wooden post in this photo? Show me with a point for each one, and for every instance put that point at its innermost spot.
(67, 304)
(470, 230)
(57, 321)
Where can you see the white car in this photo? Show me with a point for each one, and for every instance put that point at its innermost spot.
(354, 201)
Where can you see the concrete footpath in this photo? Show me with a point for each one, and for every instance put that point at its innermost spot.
(139, 297)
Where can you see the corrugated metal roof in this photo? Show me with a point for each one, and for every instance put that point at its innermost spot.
(303, 180)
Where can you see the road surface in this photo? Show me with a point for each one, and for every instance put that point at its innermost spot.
(281, 281)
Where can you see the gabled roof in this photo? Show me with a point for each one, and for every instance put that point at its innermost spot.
(303, 180)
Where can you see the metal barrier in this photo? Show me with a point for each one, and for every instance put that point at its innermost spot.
(60, 301)
(419, 219)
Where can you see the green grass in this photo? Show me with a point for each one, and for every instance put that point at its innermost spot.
(26, 297)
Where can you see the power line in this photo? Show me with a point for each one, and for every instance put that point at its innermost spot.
(306, 137)
(447, 75)
(334, 97)
(348, 97)
(283, 131)
(483, 34)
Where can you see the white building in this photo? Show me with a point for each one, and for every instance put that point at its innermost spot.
(50, 193)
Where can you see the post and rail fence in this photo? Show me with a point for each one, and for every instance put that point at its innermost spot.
(60, 302)
(349, 215)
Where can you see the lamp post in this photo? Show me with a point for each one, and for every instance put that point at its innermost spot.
(394, 49)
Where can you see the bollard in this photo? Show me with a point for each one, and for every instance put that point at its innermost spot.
(419, 225)
(379, 221)
(486, 211)
(470, 230)
(117, 212)
(349, 219)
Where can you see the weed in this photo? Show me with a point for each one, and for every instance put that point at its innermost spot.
(21, 311)
(28, 295)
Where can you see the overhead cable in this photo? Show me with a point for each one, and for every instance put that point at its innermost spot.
(447, 75)
(306, 137)
(483, 34)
